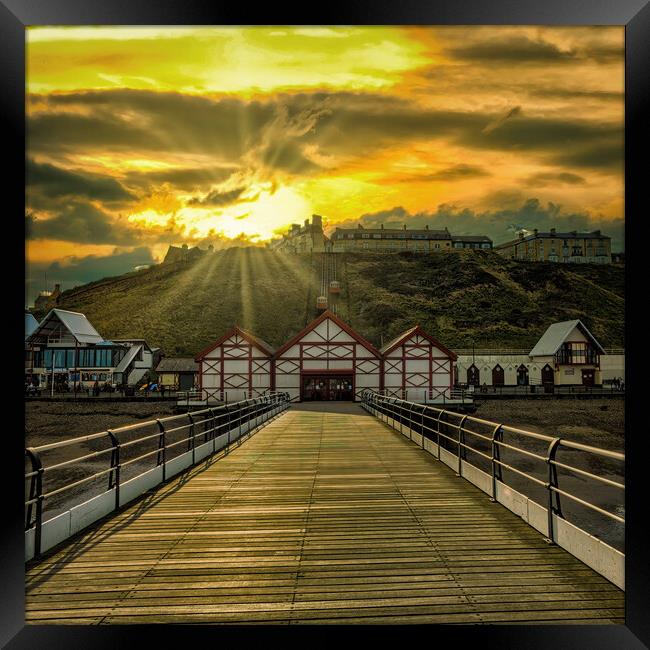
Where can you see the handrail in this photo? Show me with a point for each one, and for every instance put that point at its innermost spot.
(213, 421)
(440, 423)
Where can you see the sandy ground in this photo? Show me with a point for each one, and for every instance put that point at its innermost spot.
(51, 421)
(600, 423)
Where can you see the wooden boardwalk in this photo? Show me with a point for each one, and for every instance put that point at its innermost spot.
(320, 517)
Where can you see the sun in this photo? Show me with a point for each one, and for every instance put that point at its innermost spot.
(259, 218)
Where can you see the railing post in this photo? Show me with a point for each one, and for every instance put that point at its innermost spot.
(162, 449)
(115, 466)
(209, 432)
(227, 426)
(36, 492)
(212, 427)
(552, 482)
(424, 408)
(190, 438)
(442, 412)
(497, 435)
(461, 441)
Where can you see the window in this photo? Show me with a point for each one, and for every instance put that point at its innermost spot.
(376, 236)
(365, 236)
(350, 236)
(436, 245)
(458, 244)
(485, 245)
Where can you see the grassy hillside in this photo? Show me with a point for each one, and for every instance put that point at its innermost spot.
(462, 298)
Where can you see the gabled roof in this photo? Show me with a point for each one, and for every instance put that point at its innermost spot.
(404, 336)
(317, 321)
(556, 334)
(128, 358)
(30, 323)
(177, 364)
(135, 342)
(76, 323)
(246, 335)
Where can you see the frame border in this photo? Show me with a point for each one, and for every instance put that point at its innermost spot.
(15, 15)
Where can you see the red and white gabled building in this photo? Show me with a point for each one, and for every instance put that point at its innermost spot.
(417, 367)
(327, 361)
(238, 366)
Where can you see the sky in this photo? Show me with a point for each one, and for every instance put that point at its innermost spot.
(142, 137)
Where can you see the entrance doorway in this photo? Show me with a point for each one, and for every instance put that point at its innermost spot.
(588, 377)
(548, 379)
(522, 375)
(497, 375)
(327, 388)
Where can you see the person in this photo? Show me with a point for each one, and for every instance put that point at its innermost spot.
(96, 389)
(162, 390)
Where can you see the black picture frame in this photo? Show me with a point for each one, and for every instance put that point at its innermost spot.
(15, 15)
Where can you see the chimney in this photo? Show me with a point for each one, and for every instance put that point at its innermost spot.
(404, 226)
(184, 247)
(382, 226)
(57, 288)
(521, 234)
(426, 227)
(306, 222)
(552, 232)
(360, 227)
(597, 233)
(317, 221)
(535, 232)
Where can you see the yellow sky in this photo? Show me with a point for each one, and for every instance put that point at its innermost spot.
(145, 136)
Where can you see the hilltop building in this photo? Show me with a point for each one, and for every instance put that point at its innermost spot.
(566, 354)
(325, 361)
(66, 348)
(393, 240)
(308, 238)
(184, 254)
(47, 299)
(588, 247)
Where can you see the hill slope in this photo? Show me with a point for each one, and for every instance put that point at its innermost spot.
(462, 298)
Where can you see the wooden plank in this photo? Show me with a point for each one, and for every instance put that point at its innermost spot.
(320, 517)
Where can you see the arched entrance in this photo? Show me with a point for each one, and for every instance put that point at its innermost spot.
(473, 376)
(548, 375)
(497, 375)
(522, 375)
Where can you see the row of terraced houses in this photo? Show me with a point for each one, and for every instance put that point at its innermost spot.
(577, 247)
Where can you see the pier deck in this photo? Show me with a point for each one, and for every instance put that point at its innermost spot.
(320, 517)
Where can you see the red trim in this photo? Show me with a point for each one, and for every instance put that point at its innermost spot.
(418, 330)
(236, 330)
(327, 314)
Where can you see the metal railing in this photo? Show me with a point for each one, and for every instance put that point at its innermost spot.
(539, 388)
(452, 432)
(177, 434)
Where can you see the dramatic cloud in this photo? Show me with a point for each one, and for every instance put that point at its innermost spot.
(81, 222)
(515, 50)
(149, 136)
(53, 182)
(218, 198)
(550, 178)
